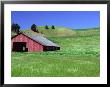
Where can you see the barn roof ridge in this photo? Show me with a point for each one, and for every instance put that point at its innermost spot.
(40, 39)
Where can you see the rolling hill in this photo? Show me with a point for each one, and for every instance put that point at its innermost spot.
(57, 32)
(62, 32)
(79, 55)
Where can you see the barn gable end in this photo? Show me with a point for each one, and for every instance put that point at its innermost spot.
(32, 43)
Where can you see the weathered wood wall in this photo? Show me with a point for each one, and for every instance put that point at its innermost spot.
(30, 44)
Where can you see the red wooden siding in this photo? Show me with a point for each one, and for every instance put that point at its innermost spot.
(30, 44)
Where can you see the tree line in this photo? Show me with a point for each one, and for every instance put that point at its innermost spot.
(16, 28)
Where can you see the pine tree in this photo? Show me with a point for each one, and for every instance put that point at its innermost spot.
(34, 28)
(53, 27)
(15, 28)
(46, 27)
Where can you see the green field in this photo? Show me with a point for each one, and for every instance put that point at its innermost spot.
(79, 56)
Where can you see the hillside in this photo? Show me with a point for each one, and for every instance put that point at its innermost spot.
(79, 55)
(57, 32)
(63, 32)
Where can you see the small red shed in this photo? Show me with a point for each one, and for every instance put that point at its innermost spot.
(23, 42)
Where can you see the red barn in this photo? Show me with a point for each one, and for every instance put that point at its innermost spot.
(23, 42)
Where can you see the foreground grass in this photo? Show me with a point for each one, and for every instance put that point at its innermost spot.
(46, 64)
(78, 57)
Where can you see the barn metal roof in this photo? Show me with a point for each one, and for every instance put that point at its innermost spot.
(42, 40)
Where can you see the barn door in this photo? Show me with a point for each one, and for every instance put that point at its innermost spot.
(19, 46)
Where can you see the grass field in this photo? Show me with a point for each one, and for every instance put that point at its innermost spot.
(79, 57)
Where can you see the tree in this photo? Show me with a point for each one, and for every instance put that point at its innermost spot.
(53, 27)
(46, 27)
(15, 28)
(34, 28)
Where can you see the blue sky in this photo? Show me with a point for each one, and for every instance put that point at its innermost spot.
(70, 19)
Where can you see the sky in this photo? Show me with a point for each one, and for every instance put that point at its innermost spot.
(69, 19)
